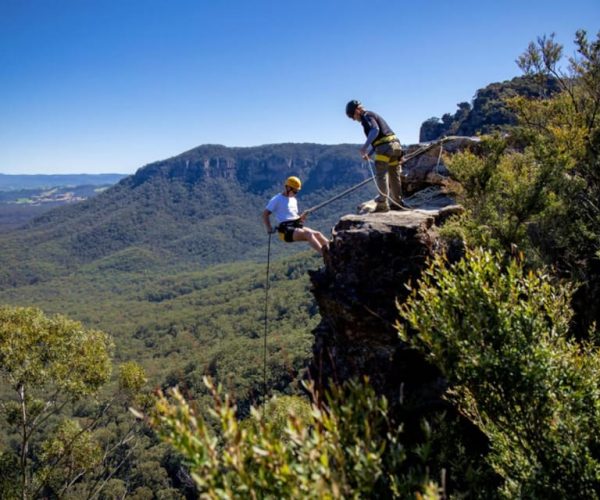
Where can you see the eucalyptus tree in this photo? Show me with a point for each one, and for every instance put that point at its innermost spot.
(48, 364)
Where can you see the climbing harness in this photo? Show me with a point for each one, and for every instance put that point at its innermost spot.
(286, 229)
(384, 140)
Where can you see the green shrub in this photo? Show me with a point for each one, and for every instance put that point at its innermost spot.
(344, 448)
(500, 336)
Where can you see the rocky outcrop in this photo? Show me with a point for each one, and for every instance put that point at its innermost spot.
(428, 169)
(372, 261)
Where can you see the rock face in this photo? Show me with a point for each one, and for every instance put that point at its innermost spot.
(371, 259)
(428, 169)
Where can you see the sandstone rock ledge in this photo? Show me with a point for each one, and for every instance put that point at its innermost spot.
(371, 259)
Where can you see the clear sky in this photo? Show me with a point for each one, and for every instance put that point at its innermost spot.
(91, 86)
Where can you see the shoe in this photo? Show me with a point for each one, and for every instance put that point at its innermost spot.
(379, 208)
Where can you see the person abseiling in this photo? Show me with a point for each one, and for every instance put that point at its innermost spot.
(388, 153)
(290, 226)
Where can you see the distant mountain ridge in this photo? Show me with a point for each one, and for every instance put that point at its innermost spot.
(9, 182)
(257, 168)
(198, 208)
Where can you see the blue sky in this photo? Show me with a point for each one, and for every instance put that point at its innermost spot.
(90, 86)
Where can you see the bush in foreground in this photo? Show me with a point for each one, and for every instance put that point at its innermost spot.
(500, 336)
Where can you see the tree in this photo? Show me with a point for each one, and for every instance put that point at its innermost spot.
(565, 131)
(50, 363)
(537, 188)
(499, 334)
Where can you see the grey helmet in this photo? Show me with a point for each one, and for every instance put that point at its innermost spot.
(351, 108)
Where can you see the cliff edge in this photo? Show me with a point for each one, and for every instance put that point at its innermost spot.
(371, 260)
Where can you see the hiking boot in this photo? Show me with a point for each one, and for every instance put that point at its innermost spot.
(382, 207)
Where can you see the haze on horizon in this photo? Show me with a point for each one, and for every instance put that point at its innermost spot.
(103, 86)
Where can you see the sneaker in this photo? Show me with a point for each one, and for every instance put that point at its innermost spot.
(380, 207)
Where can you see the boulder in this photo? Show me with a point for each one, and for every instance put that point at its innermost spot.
(372, 260)
(428, 169)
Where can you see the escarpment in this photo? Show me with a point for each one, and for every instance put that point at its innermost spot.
(372, 261)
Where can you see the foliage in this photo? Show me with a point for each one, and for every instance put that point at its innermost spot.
(180, 327)
(197, 209)
(52, 364)
(346, 448)
(504, 192)
(565, 131)
(68, 455)
(46, 355)
(277, 410)
(537, 189)
(14, 215)
(499, 335)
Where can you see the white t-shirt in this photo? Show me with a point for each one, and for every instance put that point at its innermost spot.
(283, 207)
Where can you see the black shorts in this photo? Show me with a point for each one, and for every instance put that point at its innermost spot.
(286, 229)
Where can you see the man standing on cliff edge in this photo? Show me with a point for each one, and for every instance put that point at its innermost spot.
(388, 153)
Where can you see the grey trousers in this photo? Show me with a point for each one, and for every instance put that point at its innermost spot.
(387, 172)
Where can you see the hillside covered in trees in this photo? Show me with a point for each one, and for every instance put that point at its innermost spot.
(140, 262)
(199, 208)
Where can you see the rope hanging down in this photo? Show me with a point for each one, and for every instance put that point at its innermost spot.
(266, 323)
(387, 197)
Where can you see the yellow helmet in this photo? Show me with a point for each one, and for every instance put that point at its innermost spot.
(294, 183)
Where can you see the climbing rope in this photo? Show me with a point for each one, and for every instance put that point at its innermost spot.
(266, 322)
(381, 193)
(343, 193)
